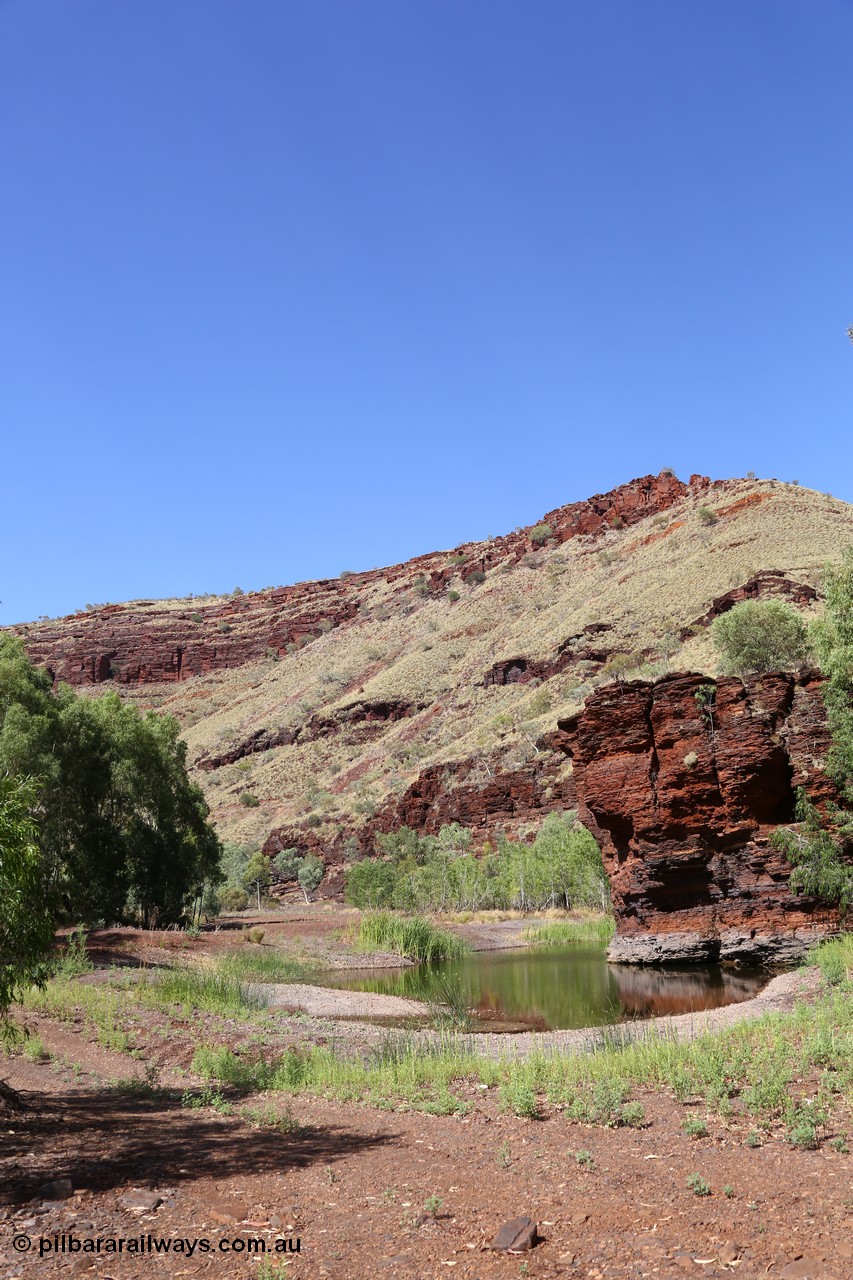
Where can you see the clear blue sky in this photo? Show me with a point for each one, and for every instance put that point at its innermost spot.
(297, 286)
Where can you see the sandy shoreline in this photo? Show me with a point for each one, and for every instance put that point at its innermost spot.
(779, 995)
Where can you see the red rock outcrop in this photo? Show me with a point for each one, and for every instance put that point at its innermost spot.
(586, 647)
(470, 791)
(145, 643)
(683, 792)
(770, 584)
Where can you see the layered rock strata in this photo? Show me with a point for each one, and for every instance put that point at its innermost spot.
(682, 781)
(144, 642)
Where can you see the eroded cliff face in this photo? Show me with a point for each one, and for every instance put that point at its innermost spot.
(683, 791)
(144, 642)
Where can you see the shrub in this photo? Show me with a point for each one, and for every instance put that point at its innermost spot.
(707, 516)
(758, 636)
(224, 627)
(818, 867)
(249, 800)
(633, 1115)
(196, 617)
(254, 935)
(453, 596)
(698, 1185)
(519, 1098)
(475, 577)
(617, 522)
(541, 533)
(691, 760)
(233, 898)
(370, 884)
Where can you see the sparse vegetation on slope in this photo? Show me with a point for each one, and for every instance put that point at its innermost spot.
(337, 762)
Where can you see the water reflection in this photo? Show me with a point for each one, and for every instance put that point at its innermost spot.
(554, 989)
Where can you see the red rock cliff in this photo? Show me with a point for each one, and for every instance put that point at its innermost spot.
(146, 643)
(682, 793)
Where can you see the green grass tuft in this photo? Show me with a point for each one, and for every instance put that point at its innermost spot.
(597, 931)
(409, 936)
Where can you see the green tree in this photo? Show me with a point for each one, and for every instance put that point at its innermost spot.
(123, 831)
(306, 869)
(26, 926)
(256, 875)
(310, 874)
(758, 636)
(832, 636)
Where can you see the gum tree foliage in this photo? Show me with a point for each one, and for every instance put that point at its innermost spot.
(832, 637)
(817, 854)
(256, 875)
(758, 636)
(26, 926)
(123, 833)
(306, 869)
(562, 867)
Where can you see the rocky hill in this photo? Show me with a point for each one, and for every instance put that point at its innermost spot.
(321, 713)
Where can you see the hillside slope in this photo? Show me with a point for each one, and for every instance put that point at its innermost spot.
(431, 690)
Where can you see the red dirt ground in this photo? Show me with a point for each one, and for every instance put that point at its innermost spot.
(397, 1194)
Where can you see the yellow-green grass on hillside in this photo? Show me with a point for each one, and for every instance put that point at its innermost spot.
(648, 581)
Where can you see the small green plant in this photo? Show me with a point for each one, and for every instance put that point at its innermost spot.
(707, 516)
(432, 1204)
(584, 1159)
(728, 1191)
(453, 596)
(196, 617)
(74, 960)
(541, 533)
(519, 1098)
(273, 1270)
(695, 1128)
(753, 1138)
(448, 1005)
(839, 1144)
(504, 1155)
(206, 1097)
(803, 1136)
(698, 1185)
(633, 1114)
(474, 578)
(249, 800)
(33, 1048)
(224, 628)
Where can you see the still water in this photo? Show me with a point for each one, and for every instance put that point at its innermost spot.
(554, 989)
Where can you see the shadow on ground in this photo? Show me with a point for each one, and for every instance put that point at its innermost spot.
(101, 1141)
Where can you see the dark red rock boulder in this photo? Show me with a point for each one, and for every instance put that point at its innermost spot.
(682, 792)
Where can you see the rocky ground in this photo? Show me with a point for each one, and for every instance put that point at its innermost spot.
(368, 1191)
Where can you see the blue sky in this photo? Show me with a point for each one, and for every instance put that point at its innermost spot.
(298, 286)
